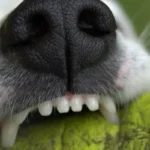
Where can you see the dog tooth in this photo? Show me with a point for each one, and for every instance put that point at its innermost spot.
(76, 103)
(108, 103)
(20, 117)
(111, 117)
(10, 128)
(9, 132)
(45, 109)
(92, 102)
(108, 109)
(62, 105)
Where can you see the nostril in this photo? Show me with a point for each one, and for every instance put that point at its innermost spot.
(88, 22)
(26, 26)
(36, 27)
(96, 22)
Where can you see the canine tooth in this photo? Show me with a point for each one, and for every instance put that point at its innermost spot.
(108, 109)
(10, 128)
(62, 105)
(19, 118)
(92, 103)
(45, 109)
(76, 103)
(9, 132)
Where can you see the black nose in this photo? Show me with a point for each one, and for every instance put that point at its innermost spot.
(61, 37)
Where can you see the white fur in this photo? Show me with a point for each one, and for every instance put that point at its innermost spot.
(138, 80)
(6, 7)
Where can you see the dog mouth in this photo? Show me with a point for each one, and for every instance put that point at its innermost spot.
(46, 92)
(10, 126)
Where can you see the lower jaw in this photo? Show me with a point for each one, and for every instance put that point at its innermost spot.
(9, 127)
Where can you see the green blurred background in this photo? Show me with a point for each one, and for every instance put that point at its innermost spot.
(138, 11)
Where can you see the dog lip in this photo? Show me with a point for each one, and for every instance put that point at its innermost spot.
(123, 72)
(69, 95)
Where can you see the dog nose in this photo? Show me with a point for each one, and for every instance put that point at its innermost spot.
(59, 37)
(34, 32)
